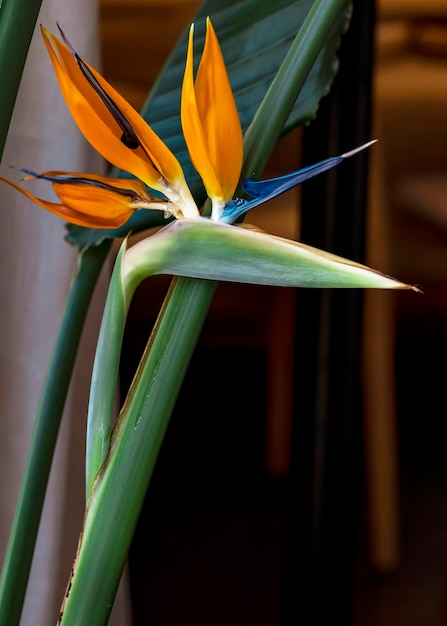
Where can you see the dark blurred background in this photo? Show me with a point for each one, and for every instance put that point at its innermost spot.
(213, 544)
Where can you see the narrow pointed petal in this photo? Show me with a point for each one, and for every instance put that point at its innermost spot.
(114, 128)
(92, 201)
(194, 132)
(265, 190)
(276, 186)
(219, 114)
(205, 249)
(210, 122)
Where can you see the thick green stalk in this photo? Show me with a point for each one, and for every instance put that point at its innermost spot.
(17, 22)
(119, 491)
(275, 108)
(35, 478)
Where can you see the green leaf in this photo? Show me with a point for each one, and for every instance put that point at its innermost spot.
(101, 406)
(255, 38)
(17, 22)
(20, 549)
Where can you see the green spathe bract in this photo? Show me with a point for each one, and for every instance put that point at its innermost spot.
(201, 248)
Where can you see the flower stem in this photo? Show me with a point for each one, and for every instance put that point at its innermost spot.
(119, 491)
(17, 22)
(28, 511)
(288, 82)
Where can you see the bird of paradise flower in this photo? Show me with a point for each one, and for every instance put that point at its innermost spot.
(211, 127)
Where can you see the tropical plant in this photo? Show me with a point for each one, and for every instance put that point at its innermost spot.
(197, 153)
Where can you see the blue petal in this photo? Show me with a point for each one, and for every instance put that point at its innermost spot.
(264, 190)
(276, 186)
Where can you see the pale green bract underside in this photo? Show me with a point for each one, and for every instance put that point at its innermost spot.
(201, 248)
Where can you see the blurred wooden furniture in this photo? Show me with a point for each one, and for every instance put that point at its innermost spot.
(408, 198)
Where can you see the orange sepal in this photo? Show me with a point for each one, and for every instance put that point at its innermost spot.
(88, 205)
(151, 160)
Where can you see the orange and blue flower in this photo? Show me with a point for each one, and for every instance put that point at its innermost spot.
(212, 131)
